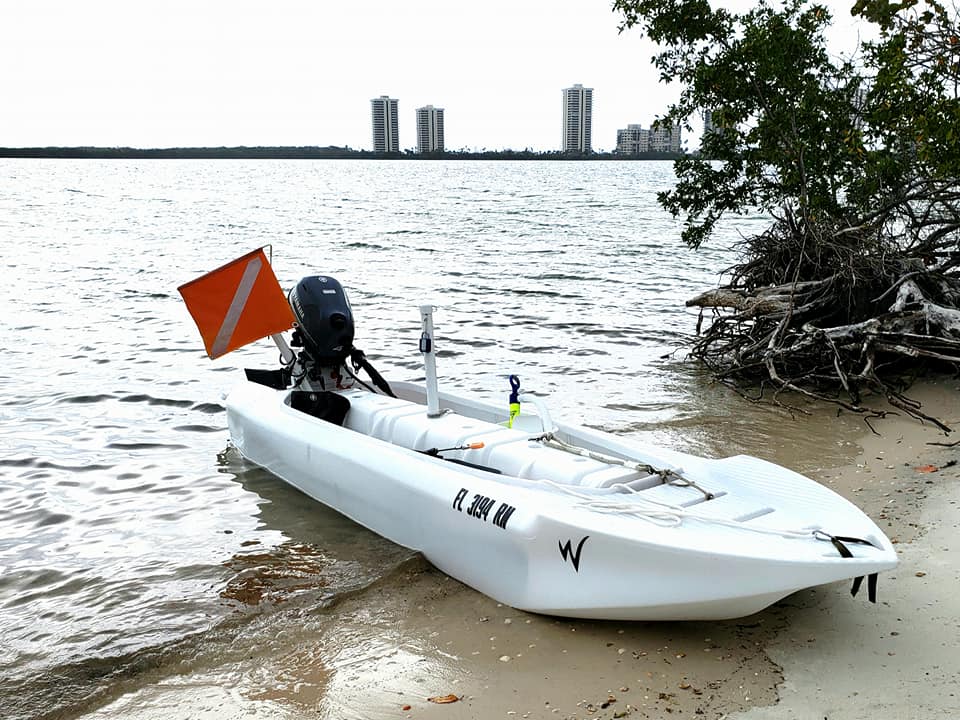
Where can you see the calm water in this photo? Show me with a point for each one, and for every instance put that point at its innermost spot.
(133, 538)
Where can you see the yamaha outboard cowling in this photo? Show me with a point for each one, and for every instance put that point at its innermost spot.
(324, 320)
(325, 331)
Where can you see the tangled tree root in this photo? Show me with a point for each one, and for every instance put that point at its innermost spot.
(862, 330)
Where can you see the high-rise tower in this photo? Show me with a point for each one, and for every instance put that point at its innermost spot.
(386, 135)
(429, 129)
(577, 118)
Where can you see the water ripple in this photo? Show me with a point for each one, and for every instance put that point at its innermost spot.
(133, 545)
(86, 399)
(145, 446)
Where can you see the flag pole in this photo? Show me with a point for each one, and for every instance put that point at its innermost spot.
(286, 354)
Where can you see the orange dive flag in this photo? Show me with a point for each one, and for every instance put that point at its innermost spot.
(237, 304)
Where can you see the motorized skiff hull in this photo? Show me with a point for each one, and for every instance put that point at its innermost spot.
(556, 532)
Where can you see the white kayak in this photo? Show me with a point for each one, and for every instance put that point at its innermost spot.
(553, 519)
(562, 520)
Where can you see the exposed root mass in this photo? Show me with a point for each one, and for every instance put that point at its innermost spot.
(836, 314)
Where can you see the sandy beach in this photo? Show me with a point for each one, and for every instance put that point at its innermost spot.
(818, 654)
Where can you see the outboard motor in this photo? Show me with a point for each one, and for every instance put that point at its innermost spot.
(324, 320)
(325, 331)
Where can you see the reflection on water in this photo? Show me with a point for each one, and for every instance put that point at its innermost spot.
(322, 556)
(277, 576)
(133, 548)
(709, 419)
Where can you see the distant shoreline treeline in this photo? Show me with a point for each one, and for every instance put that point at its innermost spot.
(306, 153)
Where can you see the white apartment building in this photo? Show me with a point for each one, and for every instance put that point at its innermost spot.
(633, 140)
(429, 129)
(577, 118)
(665, 139)
(386, 135)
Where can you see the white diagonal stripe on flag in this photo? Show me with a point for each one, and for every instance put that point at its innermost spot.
(237, 305)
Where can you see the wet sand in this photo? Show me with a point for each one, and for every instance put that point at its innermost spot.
(818, 654)
(843, 660)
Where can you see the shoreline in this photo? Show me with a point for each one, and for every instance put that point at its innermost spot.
(312, 152)
(818, 653)
(844, 661)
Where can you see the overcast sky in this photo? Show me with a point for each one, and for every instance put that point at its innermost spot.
(146, 73)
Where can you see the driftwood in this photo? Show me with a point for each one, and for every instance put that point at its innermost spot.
(882, 314)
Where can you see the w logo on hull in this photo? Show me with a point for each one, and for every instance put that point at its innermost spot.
(567, 551)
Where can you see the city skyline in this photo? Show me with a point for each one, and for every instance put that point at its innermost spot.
(112, 73)
(576, 120)
(179, 73)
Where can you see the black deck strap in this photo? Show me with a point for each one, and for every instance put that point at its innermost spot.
(475, 466)
(838, 542)
(841, 548)
(859, 541)
(359, 359)
(434, 452)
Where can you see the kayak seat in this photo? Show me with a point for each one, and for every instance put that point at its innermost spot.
(324, 405)
(375, 415)
(508, 450)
